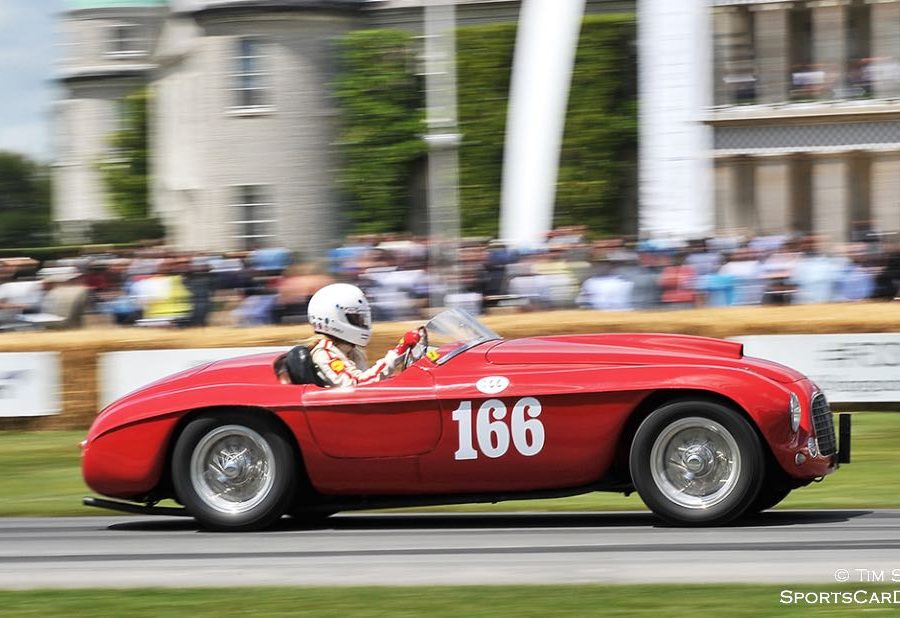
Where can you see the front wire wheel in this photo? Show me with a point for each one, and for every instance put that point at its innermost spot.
(234, 471)
(696, 463)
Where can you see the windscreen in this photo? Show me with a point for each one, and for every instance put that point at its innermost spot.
(454, 331)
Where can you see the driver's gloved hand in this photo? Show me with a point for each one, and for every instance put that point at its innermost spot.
(409, 340)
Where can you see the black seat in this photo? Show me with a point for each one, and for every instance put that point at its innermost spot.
(300, 368)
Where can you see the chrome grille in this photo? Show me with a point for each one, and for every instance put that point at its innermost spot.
(823, 422)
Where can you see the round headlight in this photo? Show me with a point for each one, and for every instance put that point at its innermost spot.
(795, 413)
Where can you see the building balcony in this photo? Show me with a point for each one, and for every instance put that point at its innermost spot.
(805, 111)
(107, 71)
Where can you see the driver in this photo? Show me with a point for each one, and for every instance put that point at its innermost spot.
(340, 314)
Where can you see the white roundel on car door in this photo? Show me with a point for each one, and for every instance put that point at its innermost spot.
(491, 385)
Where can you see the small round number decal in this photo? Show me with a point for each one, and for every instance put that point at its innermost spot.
(493, 434)
(491, 385)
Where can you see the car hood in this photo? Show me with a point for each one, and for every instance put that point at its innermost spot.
(635, 349)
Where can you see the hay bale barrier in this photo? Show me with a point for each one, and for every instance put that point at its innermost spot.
(80, 349)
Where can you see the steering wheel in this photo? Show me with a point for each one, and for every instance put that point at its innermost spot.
(417, 351)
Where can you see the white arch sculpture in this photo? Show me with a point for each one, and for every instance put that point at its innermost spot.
(546, 41)
(675, 185)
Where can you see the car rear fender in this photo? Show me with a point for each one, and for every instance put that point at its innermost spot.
(128, 447)
(134, 460)
(144, 407)
(190, 415)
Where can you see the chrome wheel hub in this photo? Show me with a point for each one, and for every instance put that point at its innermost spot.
(232, 469)
(698, 459)
(695, 462)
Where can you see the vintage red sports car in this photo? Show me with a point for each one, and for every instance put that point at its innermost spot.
(703, 433)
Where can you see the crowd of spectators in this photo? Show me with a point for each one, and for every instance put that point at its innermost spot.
(403, 278)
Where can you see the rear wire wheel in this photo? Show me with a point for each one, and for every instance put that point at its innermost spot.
(234, 471)
(696, 463)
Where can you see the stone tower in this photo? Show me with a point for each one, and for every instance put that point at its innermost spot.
(106, 52)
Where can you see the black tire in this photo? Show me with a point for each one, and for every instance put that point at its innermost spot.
(770, 494)
(696, 463)
(310, 518)
(256, 477)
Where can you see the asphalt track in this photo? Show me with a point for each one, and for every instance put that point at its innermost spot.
(779, 547)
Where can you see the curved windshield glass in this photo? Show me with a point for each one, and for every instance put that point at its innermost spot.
(454, 331)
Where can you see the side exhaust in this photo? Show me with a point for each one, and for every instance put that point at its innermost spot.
(132, 507)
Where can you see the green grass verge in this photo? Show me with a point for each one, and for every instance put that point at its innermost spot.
(42, 477)
(495, 601)
(43, 474)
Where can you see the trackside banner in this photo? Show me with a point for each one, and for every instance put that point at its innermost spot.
(29, 384)
(858, 368)
(123, 372)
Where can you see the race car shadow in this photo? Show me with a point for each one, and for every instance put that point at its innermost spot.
(378, 521)
(796, 518)
(463, 521)
(160, 524)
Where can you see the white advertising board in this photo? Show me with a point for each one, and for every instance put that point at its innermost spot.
(852, 368)
(29, 384)
(123, 372)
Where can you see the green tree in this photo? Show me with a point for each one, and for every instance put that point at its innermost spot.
(484, 61)
(382, 122)
(24, 201)
(599, 149)
(125, 172)
(381, 105)
(597, 168)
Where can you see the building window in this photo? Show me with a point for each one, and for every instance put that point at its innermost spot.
(734, 55)
(126, 40)
(249, 80)
(745, 190)
(859, 187)
(861, 66)
(253, 217)
(849, 76)
(801, 188)
(808, 80)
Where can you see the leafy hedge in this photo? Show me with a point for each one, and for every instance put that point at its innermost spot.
(382, 111)
(127, 230)
(382, 124)
(43, 254)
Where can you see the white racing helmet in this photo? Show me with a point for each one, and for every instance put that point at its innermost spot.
(341, 310)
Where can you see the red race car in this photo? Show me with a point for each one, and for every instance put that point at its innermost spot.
(703, 433)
